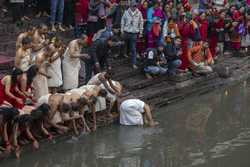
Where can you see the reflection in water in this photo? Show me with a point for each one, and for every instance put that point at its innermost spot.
(211, 130)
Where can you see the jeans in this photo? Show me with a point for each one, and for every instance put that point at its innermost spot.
(69, 13)
(57, 8)
(155, 70)
(173, 66)
(43, 6)
(130, 38)
(220, 46)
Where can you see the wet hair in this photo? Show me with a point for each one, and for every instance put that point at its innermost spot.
(82, 101)
(108, 74)
(14, 74)
(103, 93)
(23, 120)
(93, 99)
(26, 41)
(65, 108)
(31, 74)
(40, 112)
(75, 107)
(8, 113)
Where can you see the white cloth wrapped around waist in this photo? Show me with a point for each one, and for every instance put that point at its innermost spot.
(71, 68)
(82, 89)
(44, 99)
(55, 72)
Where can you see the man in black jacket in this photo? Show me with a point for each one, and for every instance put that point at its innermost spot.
(173, 52)
(99, 54)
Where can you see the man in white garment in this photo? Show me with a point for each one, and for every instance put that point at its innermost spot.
(55, 68)
(40, 83)
(71, 62)
(135, 112)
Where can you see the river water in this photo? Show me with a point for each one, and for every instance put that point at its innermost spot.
(211, 130)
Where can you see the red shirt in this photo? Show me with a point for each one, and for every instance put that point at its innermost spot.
(204, 29)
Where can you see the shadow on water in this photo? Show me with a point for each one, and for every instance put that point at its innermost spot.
(211, 130)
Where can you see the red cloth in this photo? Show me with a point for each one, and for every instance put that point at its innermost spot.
(204, 29)
(186, 31)
(4, 97)
(214, 36)
(236, 15)
(143, 12)
(235, 45)
(81, 11)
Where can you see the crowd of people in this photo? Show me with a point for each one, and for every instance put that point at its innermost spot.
(44, 93)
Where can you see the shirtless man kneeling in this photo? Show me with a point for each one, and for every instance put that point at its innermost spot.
(57, 109)
(90, 94)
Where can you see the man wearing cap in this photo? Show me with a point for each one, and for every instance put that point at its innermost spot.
(99, 52)
(131, 26)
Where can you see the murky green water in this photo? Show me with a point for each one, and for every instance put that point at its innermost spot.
(211, 130)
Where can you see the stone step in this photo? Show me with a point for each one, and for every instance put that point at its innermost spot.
(6, 63)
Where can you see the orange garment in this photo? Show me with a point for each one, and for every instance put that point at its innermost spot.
(199, 55)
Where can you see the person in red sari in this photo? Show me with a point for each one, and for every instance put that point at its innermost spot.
(9, 89)
(186, 31)
(141, 42)
(217, 28)
(203, 22)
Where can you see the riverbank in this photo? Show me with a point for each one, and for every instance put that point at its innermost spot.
(160, 91)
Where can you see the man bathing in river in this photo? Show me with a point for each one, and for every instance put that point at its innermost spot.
(135, 112)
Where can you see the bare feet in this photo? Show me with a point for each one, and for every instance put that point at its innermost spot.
(50, 137)
(35, 145)
(61, 28)
(94, 128)
(153, 123)
(135, 67)
(148, 76)
(38, 14)
(45, 14)
(18, 152)
(8, 149)
(53, 28)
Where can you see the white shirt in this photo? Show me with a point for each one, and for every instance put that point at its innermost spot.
(131, 112)
(132, 21)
